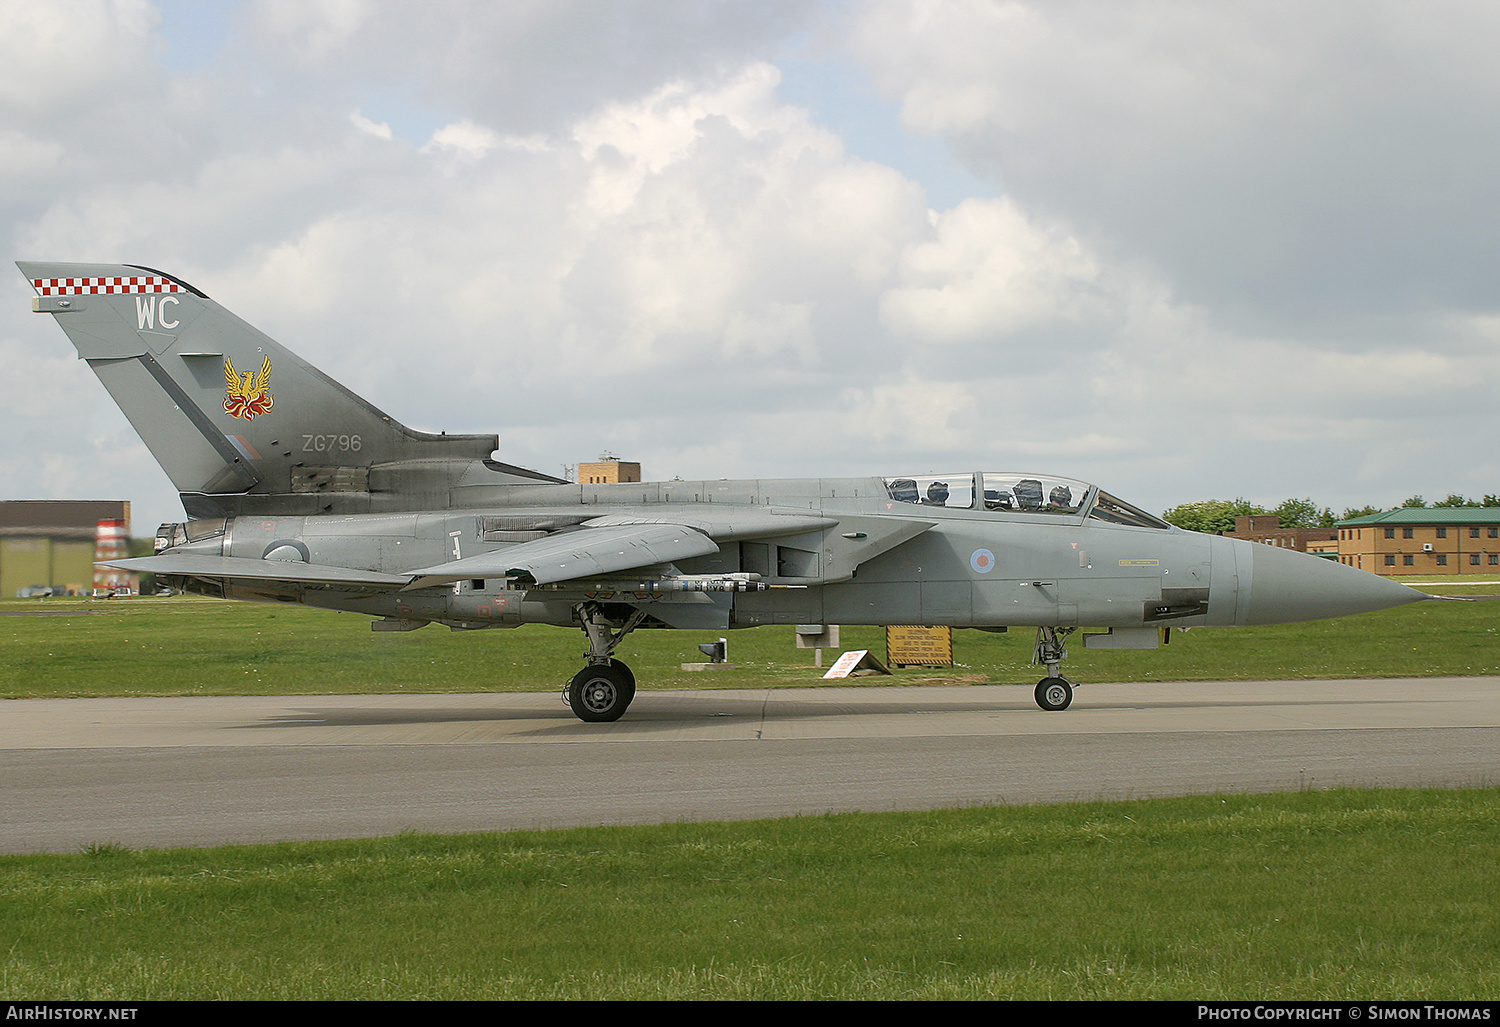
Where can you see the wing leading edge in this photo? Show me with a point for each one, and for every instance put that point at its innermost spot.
(197, 565)
(592, 551)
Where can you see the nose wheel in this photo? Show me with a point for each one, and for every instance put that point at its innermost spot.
(1054, 693)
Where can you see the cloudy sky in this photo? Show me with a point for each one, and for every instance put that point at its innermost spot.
(1185, 250)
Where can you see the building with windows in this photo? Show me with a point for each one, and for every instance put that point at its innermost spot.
(610, 469)
(1267, 530)
(1432, 540)
(50, 544)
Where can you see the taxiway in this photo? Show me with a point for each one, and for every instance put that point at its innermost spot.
(155, 772)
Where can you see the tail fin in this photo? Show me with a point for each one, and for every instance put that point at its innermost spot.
(240, 423)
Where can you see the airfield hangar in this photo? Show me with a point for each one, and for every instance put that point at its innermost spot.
(50, 544)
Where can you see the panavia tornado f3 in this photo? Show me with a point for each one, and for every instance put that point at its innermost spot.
(297, 490)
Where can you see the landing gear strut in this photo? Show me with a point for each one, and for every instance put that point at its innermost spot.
(1053, 692)
(602, 691)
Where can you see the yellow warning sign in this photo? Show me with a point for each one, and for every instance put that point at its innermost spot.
(913, 645)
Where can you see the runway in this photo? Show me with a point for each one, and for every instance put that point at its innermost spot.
(149, 772)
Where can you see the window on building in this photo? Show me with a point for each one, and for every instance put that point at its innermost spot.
(1409, 560)
(1406, 533)
(1442, 533)
(1390, 561)
(1473, 559)
(1390, 532)
(1494, 533)
(1442, 559)
(1494, 558)
(1473, 532)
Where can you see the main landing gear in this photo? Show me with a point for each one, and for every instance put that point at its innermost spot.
(1053, 692)
(601, 691)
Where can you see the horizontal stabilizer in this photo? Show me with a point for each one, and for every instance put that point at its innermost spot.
(590, 552)
(191, 565)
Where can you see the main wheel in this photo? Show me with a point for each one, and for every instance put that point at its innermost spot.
(620, 666)
(1054, 693)
(601, 693)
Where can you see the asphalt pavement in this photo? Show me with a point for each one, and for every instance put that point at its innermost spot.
(156, 772)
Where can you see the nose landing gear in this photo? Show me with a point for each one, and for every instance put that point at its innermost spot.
(1054, 692)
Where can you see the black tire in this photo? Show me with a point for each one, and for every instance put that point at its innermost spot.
(1054, 694)
(629, 675)
(601, 693)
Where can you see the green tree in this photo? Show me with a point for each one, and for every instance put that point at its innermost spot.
(1303, 513)
(1414, 503)
(1361, 511)
(1454, 499)
(1211, 515)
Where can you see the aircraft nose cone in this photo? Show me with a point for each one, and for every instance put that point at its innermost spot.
(1288, 586)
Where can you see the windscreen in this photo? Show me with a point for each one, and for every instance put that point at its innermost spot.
(1117, 511)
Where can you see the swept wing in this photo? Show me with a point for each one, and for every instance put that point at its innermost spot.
(591, 551)
(214, 568)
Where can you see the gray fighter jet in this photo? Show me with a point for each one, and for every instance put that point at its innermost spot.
(297, 490)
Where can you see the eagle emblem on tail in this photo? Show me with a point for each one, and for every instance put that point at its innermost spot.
(249, 397)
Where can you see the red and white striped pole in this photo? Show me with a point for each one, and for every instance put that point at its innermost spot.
(110, 543)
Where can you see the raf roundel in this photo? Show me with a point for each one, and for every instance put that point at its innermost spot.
(982, 561)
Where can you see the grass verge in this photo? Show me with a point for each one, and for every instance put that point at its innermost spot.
(1317, 895)
(191, 646)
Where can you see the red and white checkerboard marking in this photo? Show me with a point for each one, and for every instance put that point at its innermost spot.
(96, 286)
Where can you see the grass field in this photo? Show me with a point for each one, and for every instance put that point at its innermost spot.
(193, 646)
(1332, 895)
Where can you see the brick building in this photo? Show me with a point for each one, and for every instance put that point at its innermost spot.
(1438, 540)
(609, 470)
(1267, 529)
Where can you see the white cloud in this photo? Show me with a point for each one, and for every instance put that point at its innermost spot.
(470, 140)
(314, 29)
(25, 160)
(1278, 162)
(592, 232)
(64, 53)
(991, 272)
(365, 125)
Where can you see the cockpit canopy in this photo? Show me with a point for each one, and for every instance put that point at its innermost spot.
(1012, 493)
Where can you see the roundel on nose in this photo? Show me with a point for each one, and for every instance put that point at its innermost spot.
(983, 561)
